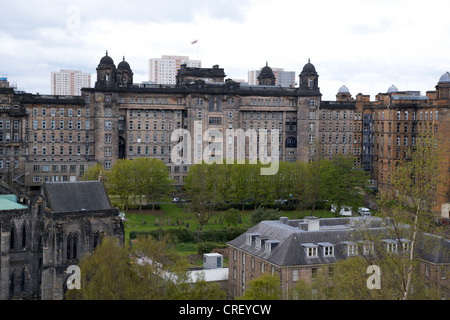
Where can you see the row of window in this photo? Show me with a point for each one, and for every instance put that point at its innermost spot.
(53, 124)
(57, 168)
(337, 115)
(150, 113)
(142, 100)
(139, 127)
(344, 127)
(51, 150)
(52, 137)
(146, 150)
(345, 139)
(422, 127)
(8, 124)
(353, 249)
(61, 112)
(415, 115)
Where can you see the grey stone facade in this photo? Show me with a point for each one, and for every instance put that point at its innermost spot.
(39, 241)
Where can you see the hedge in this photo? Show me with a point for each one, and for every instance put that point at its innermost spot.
(207, 247)
(185, 236)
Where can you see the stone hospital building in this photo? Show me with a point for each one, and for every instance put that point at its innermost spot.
(55, 138)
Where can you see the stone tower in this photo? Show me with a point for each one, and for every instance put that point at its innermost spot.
(124, 74)
(266, 76)
(106, 72)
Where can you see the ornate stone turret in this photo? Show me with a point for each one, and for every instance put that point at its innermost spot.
(309, 79)
(124, 74)
(106, 72)
(266, 77)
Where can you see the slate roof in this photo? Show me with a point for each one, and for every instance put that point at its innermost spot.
(293, 239)
(76, 196)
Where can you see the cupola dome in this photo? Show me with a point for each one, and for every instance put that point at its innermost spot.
(392, 89)
(445, 78)
(107, 59)
(123, 65)
(343, 89)
(309, 68)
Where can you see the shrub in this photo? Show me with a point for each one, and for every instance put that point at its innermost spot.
(182, 235)
(261, 214)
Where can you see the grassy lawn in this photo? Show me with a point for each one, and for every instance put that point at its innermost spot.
(172, 216)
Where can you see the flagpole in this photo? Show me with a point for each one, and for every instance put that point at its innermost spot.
(195, 42)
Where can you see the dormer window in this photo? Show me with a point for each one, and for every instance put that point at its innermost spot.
(269, 245)
(351, 248)
(368, 247)
(310, 249)
(259, 242)
(391, 246)
(249, 238)
(327, 249)
(406, 245)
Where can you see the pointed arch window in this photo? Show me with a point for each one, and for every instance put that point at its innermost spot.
(12, 285)
(72, 247)
(24, 236)
(12, 239)
(96, 240)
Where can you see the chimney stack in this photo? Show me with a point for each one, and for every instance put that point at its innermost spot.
(312, 223)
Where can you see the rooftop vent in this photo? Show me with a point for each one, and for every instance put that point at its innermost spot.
(212, 260)
(284, 220)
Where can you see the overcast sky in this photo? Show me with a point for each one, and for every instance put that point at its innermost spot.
(363, 44)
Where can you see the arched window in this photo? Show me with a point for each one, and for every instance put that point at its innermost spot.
(69, 247)
(288, 123)
(24, 236)
(75, 247)
(72, 247)
(96, 240)
(291, 142)
(12, 284)
(22, 281)
(12, 238)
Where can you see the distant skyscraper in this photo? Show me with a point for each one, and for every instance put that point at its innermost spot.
(282, 78)
(69, 82)
(164, 70)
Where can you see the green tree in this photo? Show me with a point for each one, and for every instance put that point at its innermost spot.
(106, 275)
(156, 181)
(343, 183)
(240, 177)
(153, 270)
(96, 172)
(120, 182)
(261, 214)
(314, 180)
(138, 178)
(265, 287)
(409, 201)
(231, 217)
(206, 186)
